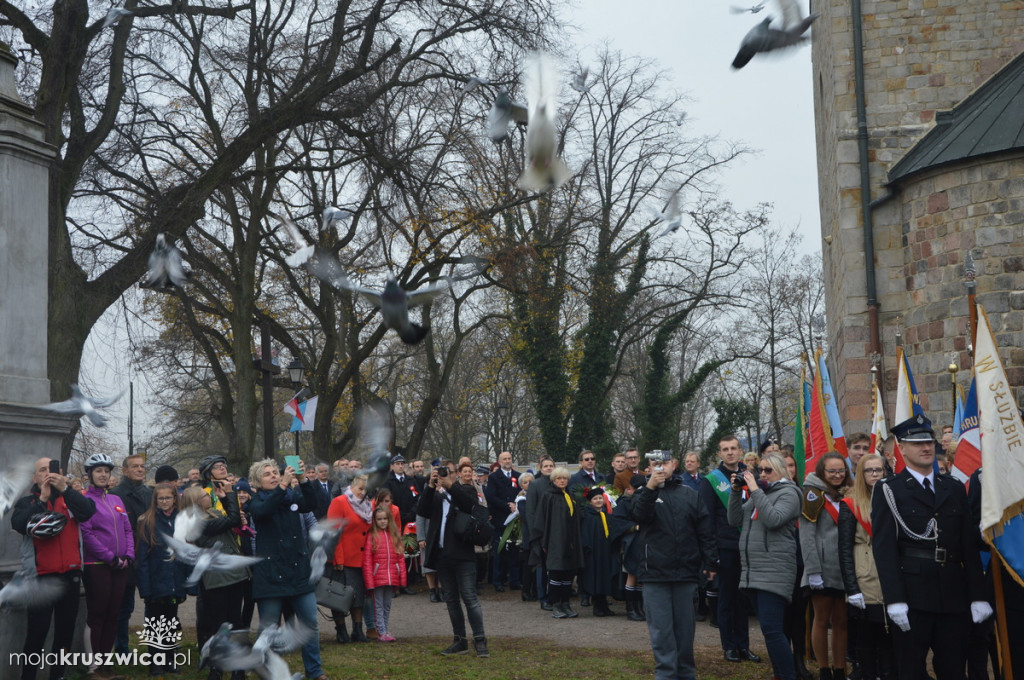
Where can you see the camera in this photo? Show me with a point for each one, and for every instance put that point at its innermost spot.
(737, 482)
(658, 457)
(442, 471)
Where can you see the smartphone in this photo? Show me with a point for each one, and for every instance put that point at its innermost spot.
(293, 462)
(55, 466)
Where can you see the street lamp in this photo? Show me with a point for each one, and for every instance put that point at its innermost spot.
(296, 371)
(502, 411)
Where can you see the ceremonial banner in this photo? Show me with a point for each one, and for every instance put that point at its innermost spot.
(303, 414)
(879, 430)
(908, 404)
(1002, 453)
(817, 422)
(831, 408)
(968, 445)
(800, 427)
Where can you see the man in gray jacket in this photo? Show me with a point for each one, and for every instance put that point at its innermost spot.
(678, 551)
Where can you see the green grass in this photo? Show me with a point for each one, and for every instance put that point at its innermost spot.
(419, 658)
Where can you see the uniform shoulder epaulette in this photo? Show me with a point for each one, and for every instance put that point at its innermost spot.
(814, 500)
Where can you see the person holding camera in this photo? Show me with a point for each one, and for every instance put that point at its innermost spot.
(767, 523)
(453, 556)
(677, 548)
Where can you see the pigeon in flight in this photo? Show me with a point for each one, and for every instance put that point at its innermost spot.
(81, 405)
(504, 111)
(15, 481)
(680, 119)
(222, 652)
(24, 590)
(579, 81)
(671, 215)
(206, 559)
(263, 658)
(764, 38)
(114, 15)
(332, 215)
(545, 170)
(474, 82)
(166, 269)
(744, 10)
(375, 431)
(395, 302)
(324, 537)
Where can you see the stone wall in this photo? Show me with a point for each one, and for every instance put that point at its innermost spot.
(920, 56)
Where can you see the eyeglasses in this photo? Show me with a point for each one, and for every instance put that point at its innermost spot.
(587, 460)
(765, 470)
(837, 473)
(874, 471)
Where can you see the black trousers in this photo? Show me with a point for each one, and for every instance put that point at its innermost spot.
(154, 609)
(945, 634)
(38, 623)
(217, 605)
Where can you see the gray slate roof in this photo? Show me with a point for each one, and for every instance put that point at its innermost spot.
(989, 121)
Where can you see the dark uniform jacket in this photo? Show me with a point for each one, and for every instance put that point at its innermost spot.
(728, 536)
(907, 568)
(405, 495)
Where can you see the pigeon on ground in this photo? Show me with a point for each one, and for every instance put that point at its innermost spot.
(744, 10)
(474, 82)
(764, 38)
(114, 15)
(166, 269)
(15, 481)
(323, 537)
(332, 215)
(504, 111)
(206, 559)
(671, 215)
(25, 590)
(81, 405)
(579, 81)
(224, 653)
(395, 302)
(545, 170)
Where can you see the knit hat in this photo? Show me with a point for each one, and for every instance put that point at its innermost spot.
(166, 473)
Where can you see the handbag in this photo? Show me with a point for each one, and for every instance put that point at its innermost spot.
(473, 527)
(334, 594)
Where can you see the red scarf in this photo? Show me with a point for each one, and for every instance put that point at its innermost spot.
(855, 509)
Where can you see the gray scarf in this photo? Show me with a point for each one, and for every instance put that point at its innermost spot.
(363, 508)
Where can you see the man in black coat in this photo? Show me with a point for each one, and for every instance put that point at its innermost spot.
(501, 491)
(453, 558)
(587, 476)
(403, 490)
(677, 540)
(926, 551)
(137, 497)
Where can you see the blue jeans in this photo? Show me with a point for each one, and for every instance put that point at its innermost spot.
(458, 579)
(771, 613)
(305, 608)
(671, 625)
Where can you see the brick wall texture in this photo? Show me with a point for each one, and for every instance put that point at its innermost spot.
(920, 57)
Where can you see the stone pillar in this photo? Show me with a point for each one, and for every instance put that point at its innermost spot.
(25, 432)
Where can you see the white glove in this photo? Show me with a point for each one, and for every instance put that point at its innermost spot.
(815, 581)
(857, 600)
(898, 613)
(980, 611)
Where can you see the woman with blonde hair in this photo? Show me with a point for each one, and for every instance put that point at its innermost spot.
(558, 530)
(860, 574)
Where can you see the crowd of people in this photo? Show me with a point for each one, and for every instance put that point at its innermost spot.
(876, 569)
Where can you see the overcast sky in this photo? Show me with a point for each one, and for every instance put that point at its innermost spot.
(767, 105)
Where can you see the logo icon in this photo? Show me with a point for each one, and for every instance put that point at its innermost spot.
(160, 633)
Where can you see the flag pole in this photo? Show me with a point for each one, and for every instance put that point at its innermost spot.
(994, 563)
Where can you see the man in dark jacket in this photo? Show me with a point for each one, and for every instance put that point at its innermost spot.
(55, 558)
(453, 558)
(677, 548)
(501, 491)
(733, 609)
(587, 476)
(404, 493)
(137, 497)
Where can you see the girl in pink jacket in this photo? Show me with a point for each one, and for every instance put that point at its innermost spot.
(383, 567)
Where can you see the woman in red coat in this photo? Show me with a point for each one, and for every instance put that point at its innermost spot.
(383, 567)
(356, 510)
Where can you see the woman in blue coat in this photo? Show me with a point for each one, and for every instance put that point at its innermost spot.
(160, 578)
(276, 511)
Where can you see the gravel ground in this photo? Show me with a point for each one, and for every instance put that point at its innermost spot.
(505, 614)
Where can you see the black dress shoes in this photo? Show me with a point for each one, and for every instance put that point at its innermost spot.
(747, 655)
(732, 655)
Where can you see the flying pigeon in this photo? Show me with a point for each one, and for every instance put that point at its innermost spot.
(394, 303)
(188, 524)
(263, 658)
(15, 481)
(222, 652)
(323, 536)
(376, 430)
(504, 111)
(166, 269)
(25, 590)
(81, 405)
(114, 15)
(764, 38)
(579, 81)
(680, 119)
(332, 215)
(206, 559)
(744, 10)
(545, 170)
(671, 215)
(474, 82)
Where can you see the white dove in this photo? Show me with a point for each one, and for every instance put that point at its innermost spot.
(323, 536)
(166, 268)
(115, 14)
(545, 170)
(276, 640)
(579, 81)
(14, 483)
(504, 111)
(25, 590)
(332, 215)
(474, 82)
(81, 405)
(206, 559)
(671, 215)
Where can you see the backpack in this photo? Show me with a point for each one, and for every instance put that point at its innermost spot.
(473, 527)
